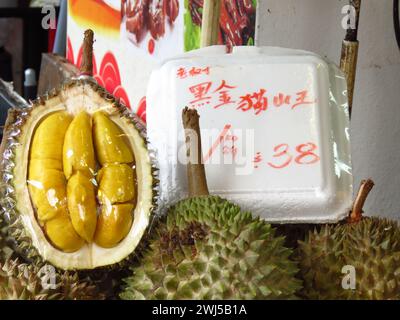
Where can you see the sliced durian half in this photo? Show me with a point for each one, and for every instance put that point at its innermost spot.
(38, 233)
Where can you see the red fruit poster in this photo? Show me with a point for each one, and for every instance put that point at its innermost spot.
(132, 36)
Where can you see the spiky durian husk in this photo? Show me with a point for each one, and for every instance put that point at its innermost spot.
(20, 281)
(29, 282)
(5, 250)
(371, 246)
(13, 131)
(208, 249)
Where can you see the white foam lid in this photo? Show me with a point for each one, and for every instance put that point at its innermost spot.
(259, 127)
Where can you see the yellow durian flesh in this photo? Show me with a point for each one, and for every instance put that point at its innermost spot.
(48, 192)
(62, 184)
(116, 184)
(62, 234)
(113, 224)
(78, 151)
(37, 165)
(46, 181)
(82, 205)
(49, 136)
(110, 141)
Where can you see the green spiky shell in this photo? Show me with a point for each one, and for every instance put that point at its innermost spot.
(20, 281)
(208, 249)
(371, 246)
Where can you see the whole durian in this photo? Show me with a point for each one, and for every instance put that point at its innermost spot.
(367, 249)
(20, 281)
(207, 248)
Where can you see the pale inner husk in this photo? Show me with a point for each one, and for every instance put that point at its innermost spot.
(75, 99)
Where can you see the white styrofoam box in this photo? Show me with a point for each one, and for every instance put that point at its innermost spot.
(274, 128)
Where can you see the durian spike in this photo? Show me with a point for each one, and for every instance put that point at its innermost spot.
(195, 168)
(363, 191)
(87, 54)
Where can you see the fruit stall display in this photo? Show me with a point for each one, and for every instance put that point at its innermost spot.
(87, 211)
(204, 248)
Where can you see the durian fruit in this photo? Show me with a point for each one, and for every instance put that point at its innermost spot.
(77, 181)
(359, 259)
(207, 248)
(20, 281)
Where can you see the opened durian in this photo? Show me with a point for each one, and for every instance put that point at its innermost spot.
(207, 248)
(356, 260)
(78, 180)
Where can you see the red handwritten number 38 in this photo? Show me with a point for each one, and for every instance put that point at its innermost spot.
(305, 155)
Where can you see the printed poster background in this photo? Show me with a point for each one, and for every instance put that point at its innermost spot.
(133, 36)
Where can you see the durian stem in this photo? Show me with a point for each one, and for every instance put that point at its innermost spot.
(87, 53)
(363, 191)
(195, 168)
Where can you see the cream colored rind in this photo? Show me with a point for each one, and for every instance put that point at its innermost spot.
(74, 97)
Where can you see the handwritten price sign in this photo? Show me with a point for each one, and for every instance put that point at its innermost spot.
(251, 105)
(258, 101)
(305, 152)
(273, 131)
